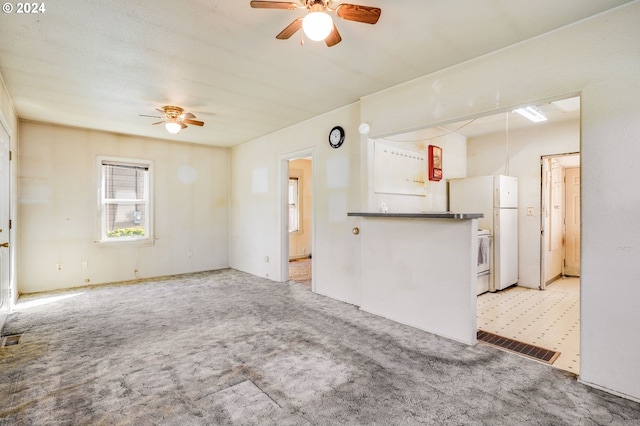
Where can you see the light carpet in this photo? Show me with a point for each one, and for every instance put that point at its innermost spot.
(225, 347)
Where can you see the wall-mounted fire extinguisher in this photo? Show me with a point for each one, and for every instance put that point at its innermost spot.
(435, 163)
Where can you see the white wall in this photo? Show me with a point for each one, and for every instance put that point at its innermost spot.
(58, 208)
(255, 207)
(300, 241)
(454, 165)
(599, 59)
(423, 273)
(486, 155)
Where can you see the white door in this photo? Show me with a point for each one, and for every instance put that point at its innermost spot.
(4, 226)
(572, 222)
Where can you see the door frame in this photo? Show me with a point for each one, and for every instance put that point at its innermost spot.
(544, 193)
(11, 293)
(283, 211)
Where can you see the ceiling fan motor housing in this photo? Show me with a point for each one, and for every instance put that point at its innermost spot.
(172, 112)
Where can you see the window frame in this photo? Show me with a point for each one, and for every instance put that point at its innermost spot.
(102, 201)
(297, 204)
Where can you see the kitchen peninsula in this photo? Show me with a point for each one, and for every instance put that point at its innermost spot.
(420, 269)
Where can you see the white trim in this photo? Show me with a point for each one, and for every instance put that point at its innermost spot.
(608, 390)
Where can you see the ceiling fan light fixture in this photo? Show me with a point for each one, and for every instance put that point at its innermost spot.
(317, 25)
(173, 127)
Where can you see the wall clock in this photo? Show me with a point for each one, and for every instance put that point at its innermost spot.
(336, 137)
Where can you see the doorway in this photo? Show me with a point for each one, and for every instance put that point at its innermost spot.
(549, 317)
(559, 218)
(297, 217)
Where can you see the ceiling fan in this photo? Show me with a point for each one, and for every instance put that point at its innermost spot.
(175, 119)
(317, 24)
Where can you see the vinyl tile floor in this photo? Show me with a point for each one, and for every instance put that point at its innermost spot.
(549, 319)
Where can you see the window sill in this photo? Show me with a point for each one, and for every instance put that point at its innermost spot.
(124, 242)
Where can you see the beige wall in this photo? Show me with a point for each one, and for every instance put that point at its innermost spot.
(58, 208)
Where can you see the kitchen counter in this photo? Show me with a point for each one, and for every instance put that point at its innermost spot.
(420, 269)
(435, 215)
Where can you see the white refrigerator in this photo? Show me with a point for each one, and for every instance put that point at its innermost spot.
(497, 198)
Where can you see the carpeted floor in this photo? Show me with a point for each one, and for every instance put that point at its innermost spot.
(225, 347)
(300, 270)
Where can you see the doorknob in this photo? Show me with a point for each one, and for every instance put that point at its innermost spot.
(4, 245)
(355, 231)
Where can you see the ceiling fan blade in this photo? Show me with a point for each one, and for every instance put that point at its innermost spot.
(159, 110)
(194, 122)
(158, 122)
(333, 38)
(290, 30)
(182, 125)
(257, 4)
(188, 115)
(152, 116)
(354, 12)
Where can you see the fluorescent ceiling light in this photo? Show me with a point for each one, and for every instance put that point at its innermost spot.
(532, 113)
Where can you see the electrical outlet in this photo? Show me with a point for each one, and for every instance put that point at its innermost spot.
(59, 266)
(529, 211)
(85, 264)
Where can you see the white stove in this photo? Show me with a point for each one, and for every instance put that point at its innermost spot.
(484, 260)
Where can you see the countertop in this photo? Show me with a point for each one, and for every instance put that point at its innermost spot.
(434, 215)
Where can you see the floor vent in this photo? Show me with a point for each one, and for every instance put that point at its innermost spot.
(11, 340)
(525, 349)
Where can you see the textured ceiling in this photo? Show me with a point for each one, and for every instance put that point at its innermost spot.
(98, 64)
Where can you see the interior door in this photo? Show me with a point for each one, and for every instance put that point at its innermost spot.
(572, 222)
(4, 225)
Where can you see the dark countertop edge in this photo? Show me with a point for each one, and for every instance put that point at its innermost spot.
(444, 215)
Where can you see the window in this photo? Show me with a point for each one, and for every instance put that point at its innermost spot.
(294, 204)
(125, 206)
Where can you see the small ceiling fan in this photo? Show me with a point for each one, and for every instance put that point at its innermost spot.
(317, 24)
(174, 118)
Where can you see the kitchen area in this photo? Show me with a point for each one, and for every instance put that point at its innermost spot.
(492, 182)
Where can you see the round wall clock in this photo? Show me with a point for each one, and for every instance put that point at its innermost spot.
(336, 137)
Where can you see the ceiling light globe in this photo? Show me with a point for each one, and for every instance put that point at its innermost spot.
(173, 127)
(317, 25)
